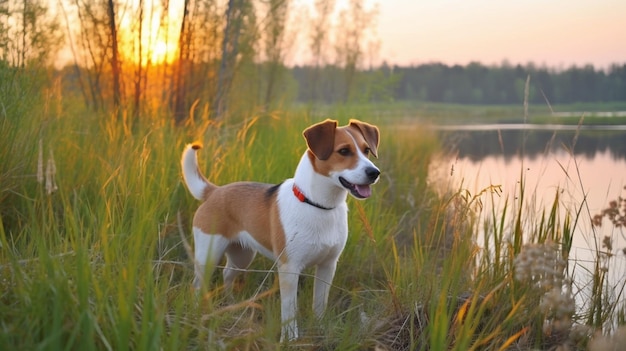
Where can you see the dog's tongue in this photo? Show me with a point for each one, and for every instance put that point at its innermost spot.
(363, 190)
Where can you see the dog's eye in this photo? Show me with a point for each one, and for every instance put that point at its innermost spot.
(367, 151)
(344, 151)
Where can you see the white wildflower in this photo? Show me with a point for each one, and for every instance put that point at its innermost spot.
(543, 267)
(613, 342)
(51, 171)
(40, 163)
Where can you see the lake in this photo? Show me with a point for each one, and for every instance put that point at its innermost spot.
(587, 165)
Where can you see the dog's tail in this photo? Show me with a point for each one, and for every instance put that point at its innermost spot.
(195, 181)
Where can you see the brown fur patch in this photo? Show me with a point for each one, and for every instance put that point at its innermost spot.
(237, 207)
(278, 234)
(320, 137)
(370, 133)
(338, 160)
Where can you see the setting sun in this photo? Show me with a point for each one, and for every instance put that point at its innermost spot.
(163, 52)
(156, 41)
(155, 49)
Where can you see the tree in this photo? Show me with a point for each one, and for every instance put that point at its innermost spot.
(199, 44)
(275, 45)
(92, 49)
(184, 52)
(235, 17)
(318, 42)
(140, 72)
(350, 42)
(115, 63)
(29, 33)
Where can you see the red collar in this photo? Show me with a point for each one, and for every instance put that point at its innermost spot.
(300, 196)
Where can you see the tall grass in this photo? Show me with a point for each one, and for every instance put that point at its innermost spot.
(103, 262)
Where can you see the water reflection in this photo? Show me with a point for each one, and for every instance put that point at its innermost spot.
(479, 141)
(586, 179)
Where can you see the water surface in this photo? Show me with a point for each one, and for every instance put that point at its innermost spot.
(586, 166)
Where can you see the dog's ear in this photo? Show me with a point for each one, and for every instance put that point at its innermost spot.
(320, 138)
(369, 132)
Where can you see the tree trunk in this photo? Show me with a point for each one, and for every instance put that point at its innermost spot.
(139, 73)
(75, 66)
(275, 46)
(180, 93)
(115, 64)
(230, 47)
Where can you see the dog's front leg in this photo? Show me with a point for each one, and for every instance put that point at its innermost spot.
(288, 281)
(321, 287)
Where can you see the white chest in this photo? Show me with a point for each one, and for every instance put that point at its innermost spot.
(312, 235)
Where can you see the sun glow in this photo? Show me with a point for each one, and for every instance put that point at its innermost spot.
(156, 42)
(163, 52)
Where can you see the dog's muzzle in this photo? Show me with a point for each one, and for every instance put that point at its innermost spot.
(362, 191)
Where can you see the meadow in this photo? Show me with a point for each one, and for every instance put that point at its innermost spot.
(95, 234)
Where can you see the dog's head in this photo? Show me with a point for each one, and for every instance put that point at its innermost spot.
(342, 154)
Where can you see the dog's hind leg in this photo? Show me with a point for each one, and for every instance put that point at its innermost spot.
(237, 259)
(209, 249)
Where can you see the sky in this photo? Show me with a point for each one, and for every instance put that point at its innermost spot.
(552, 33)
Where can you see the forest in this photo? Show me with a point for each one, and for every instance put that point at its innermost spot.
(474, 83)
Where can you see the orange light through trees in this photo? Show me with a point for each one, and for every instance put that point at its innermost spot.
(151, 40)
(163, 52)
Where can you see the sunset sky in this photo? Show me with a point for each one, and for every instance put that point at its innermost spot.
(552, 33)
(555, 33)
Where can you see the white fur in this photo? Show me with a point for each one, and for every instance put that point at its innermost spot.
(196, 183)
(314, 237)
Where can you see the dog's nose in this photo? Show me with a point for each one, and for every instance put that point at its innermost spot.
(372, 173)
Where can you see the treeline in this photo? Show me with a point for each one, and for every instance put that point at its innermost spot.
(471, 84)
(435, 82)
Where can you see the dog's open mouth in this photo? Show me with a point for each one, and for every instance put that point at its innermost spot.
(361, 191)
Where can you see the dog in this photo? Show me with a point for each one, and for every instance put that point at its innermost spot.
(299, 223)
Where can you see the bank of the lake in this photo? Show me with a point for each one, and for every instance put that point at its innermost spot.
(584, 167)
